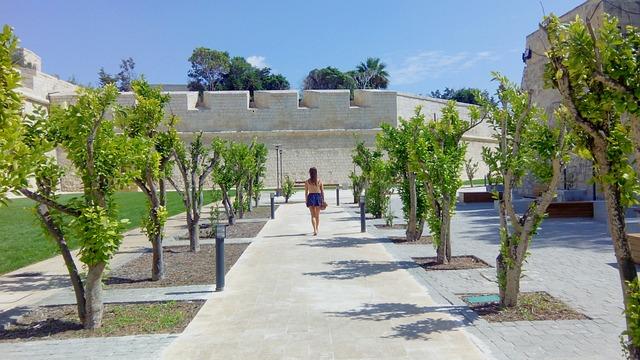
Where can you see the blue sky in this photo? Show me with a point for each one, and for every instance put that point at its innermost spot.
(426, 44)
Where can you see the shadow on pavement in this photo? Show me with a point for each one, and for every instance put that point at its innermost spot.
(416, 330)
(351, 269)
(342, 242)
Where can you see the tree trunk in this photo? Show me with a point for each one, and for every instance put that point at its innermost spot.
(94, 304)
(509, 293)
(194, 236)
(162, 192)
(76, 281)
(443, 251)
(157, 269)
(412, 234)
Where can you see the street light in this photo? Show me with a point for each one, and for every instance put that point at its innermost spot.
(278, 180)
(221, 233)
(273, 205)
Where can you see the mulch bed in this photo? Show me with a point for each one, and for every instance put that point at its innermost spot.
(392, 227)
(61, 322)
(401, 240)
(463, 262)
(182, 267)
(236, 231)
(531, 306)
(260, 212)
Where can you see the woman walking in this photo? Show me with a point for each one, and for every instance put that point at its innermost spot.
(314, 193)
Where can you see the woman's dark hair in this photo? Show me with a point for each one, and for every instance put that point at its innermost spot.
(313, 175)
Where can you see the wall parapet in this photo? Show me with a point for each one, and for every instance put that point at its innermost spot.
(219, 111)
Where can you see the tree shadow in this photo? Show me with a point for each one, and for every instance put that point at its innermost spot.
(416, 330)
(352, 269)
(343, 242)
(17, 283)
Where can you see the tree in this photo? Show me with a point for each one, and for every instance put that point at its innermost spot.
(470, 167)
(464, 95)
(437, 155)
(208, 68)
(395, 141)
(122, 79)
(275, 82)
(371, 74)
(328, 78)
(596, 76)
(238, 163)
(195, 164)
(255, 181)
(527, 144)
(145, 125)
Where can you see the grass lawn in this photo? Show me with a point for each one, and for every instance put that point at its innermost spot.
(476, 182)
(22, 241)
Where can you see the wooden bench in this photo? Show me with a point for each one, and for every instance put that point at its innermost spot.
(570, 209)
(634, 246)
(478, 197)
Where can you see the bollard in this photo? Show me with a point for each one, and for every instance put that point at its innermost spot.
(221, 233)
(338, 195)
(363, 227)
(273, 205)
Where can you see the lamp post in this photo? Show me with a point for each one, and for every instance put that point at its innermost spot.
(221, 233)
(338, 195)
(363, 226)
(281, 169)
(273, 205)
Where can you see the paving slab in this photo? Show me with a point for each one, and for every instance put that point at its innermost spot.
(339, 295)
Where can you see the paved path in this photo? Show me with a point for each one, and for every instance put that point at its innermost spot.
(336, 296)
(571, 259)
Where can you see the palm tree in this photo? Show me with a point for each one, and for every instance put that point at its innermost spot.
(374, 68)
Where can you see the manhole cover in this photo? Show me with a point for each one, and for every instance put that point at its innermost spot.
(482, 299)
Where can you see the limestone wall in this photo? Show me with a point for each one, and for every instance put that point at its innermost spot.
(628, 12)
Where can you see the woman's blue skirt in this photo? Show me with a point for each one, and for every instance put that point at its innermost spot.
(314, 199)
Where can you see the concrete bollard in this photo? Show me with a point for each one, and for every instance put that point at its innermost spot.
(221, 233)
(363, 225)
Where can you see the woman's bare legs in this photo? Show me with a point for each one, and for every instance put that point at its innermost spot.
(313, 219)
(317, 216)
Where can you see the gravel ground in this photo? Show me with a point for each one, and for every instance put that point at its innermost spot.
(401, 240)
(457, 263)
(531, 306)
(182, 267)
(260, 212)
(239, 230)
(61, 322)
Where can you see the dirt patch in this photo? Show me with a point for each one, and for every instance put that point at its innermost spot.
(182, 267)
(533, 306)
(392, 227)
(260, 212)
(463, 262)
(236, 231)
(400, 240)
(61, 322)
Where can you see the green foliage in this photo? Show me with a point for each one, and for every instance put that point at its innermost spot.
(633, 313)
(100, 233)
(288, 188)
(357, 185)
(15, 160)
(377, 199)
(123, 79)
(396, 142)
(216, 70)
(370, 74)
(437, 155)
(463, 95)
(328, 78)
(471, 168)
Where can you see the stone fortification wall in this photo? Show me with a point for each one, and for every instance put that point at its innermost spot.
(320, 129)
(628, 13)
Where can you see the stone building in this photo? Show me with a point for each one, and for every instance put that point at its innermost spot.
(579, 171)
(314, 128)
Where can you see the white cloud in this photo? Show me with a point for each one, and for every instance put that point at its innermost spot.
(434, 64)
(257, 61)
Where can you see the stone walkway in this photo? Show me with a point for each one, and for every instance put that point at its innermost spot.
(336, 296)
(571, 259)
